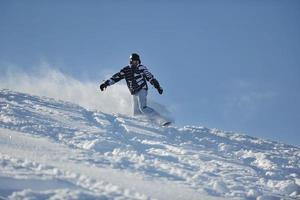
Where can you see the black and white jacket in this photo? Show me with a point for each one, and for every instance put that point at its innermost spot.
(136, 78)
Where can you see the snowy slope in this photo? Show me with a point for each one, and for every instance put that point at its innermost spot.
(55, 149)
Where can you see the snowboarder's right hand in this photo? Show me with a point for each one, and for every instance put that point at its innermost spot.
(104, 85)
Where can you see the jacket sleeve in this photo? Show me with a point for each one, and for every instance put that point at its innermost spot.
(150, 78)
(116, 77)
(147, 73)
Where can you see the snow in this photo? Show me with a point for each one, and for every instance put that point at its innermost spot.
(51, 149)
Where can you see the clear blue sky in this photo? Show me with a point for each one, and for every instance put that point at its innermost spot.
(232, 65)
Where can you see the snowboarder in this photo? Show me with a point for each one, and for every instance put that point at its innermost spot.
(136, 76)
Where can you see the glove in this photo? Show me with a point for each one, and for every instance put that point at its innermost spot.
(155, 83)
(104, 85)
(160, 90)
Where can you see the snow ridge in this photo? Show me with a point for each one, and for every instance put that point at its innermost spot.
(56, 149)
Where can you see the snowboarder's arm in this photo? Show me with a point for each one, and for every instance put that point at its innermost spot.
(115, 78)
(152, 80)
(146, 73)
(155, 83)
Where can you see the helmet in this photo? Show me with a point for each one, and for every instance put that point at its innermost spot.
(134, 56)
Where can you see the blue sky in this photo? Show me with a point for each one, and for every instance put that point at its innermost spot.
(231, 65)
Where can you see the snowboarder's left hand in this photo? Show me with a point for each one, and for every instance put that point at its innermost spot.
(160, 90)
(155, 83)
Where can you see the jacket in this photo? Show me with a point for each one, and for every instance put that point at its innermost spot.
(136, 78)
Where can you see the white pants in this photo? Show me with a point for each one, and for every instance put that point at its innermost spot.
(140, 107)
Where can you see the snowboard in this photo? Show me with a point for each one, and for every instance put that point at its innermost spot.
(165, 124)
(160, 121)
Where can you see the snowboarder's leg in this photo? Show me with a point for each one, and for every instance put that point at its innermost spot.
(148, 111)
(135, 105)
(142, 100)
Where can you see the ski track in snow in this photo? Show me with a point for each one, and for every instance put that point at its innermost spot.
(55, 149)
